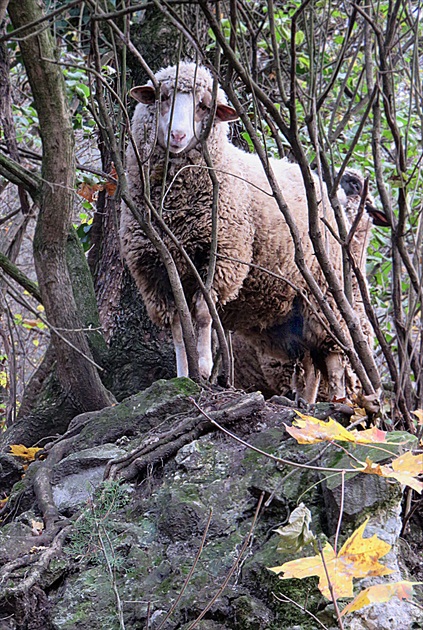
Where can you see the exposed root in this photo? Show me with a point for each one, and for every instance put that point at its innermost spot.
(161, 447)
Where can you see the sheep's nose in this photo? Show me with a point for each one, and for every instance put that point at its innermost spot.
(177, 136)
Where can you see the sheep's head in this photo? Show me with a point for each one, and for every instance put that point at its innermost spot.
(352, 185)
(185, 102)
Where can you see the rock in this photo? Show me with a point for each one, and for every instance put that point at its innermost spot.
(76, 477)
(11, 470)
(185, 537)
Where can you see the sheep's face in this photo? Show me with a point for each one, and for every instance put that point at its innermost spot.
(182, 115)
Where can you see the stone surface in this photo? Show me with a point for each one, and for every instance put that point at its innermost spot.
(185, 538)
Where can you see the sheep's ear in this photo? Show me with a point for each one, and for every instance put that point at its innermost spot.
(225, 113)
(144, 94)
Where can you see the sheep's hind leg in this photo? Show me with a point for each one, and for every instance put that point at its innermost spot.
(308, 382)
(204, 340)
(336, 375)
(179, 345)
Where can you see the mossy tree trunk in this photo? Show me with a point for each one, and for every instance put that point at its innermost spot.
(76, 373)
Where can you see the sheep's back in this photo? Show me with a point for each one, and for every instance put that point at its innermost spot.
(264, 300)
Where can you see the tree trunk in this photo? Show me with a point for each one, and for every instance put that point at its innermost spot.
(77, 375)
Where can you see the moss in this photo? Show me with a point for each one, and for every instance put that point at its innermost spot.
(139, 413)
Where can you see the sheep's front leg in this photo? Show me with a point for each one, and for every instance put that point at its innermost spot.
(178, 343)
(204, 336)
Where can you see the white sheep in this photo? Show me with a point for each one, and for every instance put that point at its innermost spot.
(255, 368)
(251, 229)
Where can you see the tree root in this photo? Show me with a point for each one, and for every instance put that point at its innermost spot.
(27, 599)
(161, 447)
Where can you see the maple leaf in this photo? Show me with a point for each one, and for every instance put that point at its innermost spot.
(309, 430)
(380, 593)
(19, 450)
(404, 469)
(357, 558)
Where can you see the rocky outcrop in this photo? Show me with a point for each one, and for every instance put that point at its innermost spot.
(189, 534)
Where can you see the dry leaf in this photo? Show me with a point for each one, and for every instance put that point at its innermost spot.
(309, 430)
(419, 414)
(358, 558)
(404, 469)
(89, 191)
(37, 527)
(380, 593)
(297, 533)
(36, 549)
(19, 450)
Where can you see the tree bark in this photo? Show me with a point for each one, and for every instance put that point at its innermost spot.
(77, 375)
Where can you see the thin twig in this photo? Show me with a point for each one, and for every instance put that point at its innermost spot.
(287, 599)
(279, 460)
(190, 573)
(233, 567)
(332, 592)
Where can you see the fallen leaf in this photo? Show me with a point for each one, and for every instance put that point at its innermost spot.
(357, 558)
(37, 527)
(110, 187)
(19, 450)
(419, 414)
(380, 593)
(297, 533)
(89, 191)
(405, 469)
(309, 430)
(36, 549)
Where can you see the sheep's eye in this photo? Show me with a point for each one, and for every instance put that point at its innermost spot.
(165, 97)
(202, 106)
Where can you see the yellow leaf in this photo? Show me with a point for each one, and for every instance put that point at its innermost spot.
(311, 430)
(358, 558)
(404, 469)
(37, 549)
(380, 593)
(37, 527)
(3, 379)
(25, 453)
(419, 414)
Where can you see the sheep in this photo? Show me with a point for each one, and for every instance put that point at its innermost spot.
(251, 229)
(254, 368)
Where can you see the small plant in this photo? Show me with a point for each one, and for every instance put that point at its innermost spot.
(93, 539)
